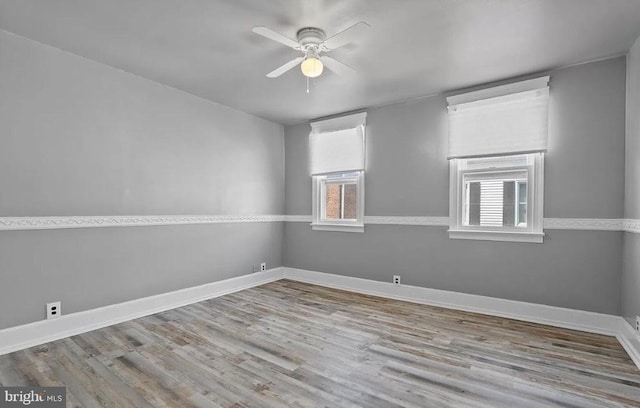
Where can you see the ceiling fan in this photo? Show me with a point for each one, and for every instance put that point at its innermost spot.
(312, 42)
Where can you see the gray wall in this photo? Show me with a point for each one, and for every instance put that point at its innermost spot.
(81, 138)
(407, 174)
(631, 250)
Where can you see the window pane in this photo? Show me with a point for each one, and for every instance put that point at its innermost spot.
(474, 203)
(494, 203)
(333, 205)
(341, 201)
(509, 204)
(522, 193)
(491, 193)
(522, 204)
(522, 215)
(350, 201)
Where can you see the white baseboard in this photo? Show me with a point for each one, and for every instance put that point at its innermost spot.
(629, 340)
(531, 312)
(591, 322)
(44, 331)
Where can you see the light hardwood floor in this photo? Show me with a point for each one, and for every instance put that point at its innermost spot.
(289, 344)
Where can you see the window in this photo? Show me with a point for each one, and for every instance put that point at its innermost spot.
(338, 202)
(337, 150)
(492, 198)
(497, 140)
(339, 197)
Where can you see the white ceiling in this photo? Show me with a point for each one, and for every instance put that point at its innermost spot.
(414, 48)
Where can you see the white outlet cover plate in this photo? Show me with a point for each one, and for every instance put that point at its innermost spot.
(58, 310)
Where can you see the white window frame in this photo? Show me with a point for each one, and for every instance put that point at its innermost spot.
(319, 221)
(459, 171)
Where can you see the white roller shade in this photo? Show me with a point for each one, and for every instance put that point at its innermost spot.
(337, 145)
(503, 120)
(342, 150)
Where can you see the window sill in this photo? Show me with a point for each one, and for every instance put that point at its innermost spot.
(338, 227)
(507, 236)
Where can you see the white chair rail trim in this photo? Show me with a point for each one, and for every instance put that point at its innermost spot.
(631, 225)
(40, 223)
(589, 224)
(36, 223)
(598, 224)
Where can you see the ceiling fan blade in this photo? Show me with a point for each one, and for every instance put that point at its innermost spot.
(337, 66)
(272, 35)
(346, 36)
(284, 68)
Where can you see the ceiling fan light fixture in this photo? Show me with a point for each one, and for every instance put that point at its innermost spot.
(311, 67)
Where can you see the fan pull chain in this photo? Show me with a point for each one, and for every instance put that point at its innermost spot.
(307, 84)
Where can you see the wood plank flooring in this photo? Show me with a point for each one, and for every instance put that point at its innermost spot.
(289, 344)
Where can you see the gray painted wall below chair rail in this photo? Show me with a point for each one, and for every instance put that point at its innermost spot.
(81, 138)
(577, 270)
(407, 174)
(631, 251)
(92, 267)
(631, 277)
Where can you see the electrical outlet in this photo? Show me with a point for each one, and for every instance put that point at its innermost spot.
(263, 266)
(396, 279)
(256, 268)
(637, 324)
(54, 310)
